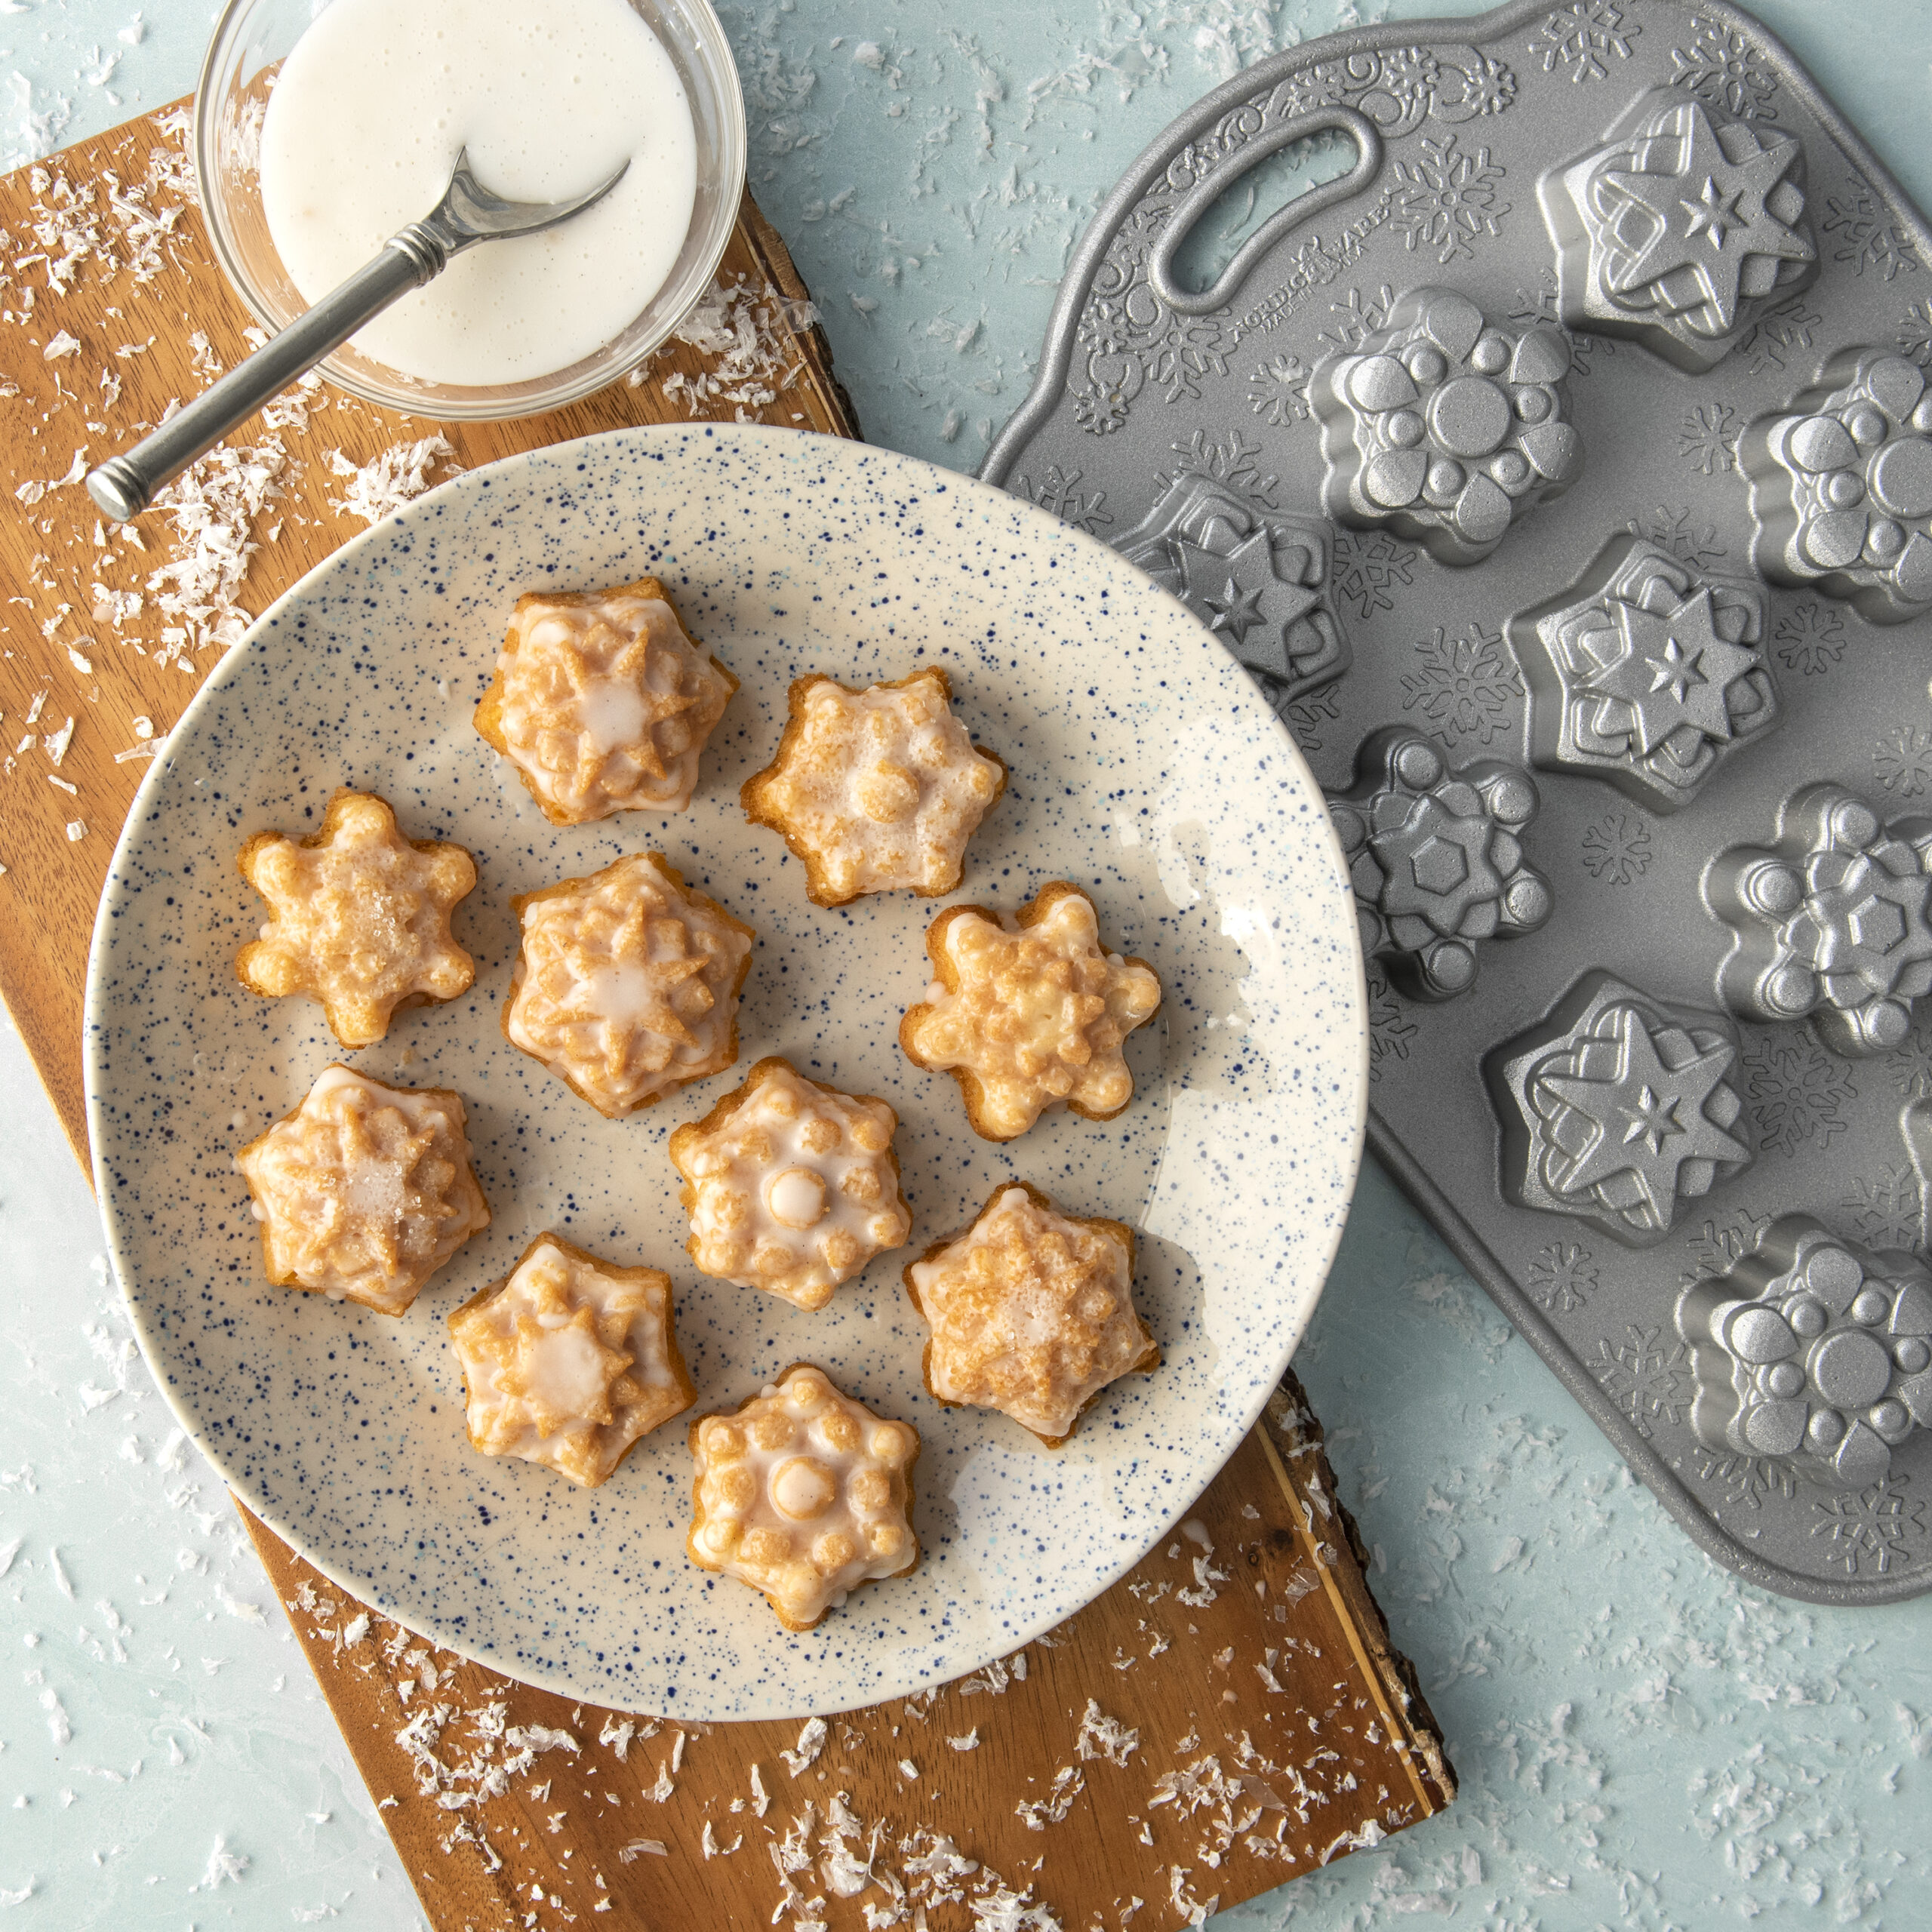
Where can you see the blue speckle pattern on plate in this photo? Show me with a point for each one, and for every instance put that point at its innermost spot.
(1144, 769)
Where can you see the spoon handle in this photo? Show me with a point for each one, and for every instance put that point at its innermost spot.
(125, 485)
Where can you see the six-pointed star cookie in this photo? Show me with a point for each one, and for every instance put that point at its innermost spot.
(365, 1190)
(603, 702)
(569, 1360)
(875, 790)
(803, 1494)
(627, 984)
(1031, 1312)
(1029, 1010)
(792, 1186)
(360, 917)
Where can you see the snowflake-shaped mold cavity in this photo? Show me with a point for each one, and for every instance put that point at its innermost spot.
(1437, 859)
(1031, 1312)
(792, 1186)
(365, 1190)
(1444, 426)
(627, 984)
(1830, 922)
(359, 918)
(1679, 229)
(1812, 1351)
(1647, 674)
(1029, 1010)
(603, 702)
(876, 790)
(1260, 579)
(1841, 486)
(804, 1494)
(1616, 1108)
(570, 1361)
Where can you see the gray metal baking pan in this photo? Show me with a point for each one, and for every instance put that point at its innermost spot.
(1562, 471)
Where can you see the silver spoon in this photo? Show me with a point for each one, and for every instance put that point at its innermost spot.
(469, 212)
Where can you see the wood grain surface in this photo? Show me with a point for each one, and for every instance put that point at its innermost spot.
(1273, 1726)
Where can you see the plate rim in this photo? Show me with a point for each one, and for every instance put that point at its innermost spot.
(96, 1029)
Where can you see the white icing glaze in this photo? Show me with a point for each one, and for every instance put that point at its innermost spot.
(1031, 1312)
(625, 986)
(883, 787)
(794, 1190)
(803, 1494)
(567, 1364)
(365, 1190)
(606, 704)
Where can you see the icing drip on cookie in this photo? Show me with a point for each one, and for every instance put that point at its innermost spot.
(877, 790)
(792, 1186)
(1031, 1313)
(365, 1190)
(627, 985)
(605, 702)
(1033, 1011)
(568, 1362)
(803, 1494)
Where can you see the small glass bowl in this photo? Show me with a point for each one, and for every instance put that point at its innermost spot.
(252, 38)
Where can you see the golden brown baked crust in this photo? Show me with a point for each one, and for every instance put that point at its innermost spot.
(360, 917)
(859, 1479)
(876, 789)
(619, 922)
(591, 724)
(959, 1320)
(364, 1190)
(625, 1334)
(792, 1186)
(1032, 1011)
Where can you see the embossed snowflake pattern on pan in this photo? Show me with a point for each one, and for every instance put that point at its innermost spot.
(1616, 270)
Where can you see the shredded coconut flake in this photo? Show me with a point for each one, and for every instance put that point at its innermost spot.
(388, 481)
(811, 1742)
(1102, 1736)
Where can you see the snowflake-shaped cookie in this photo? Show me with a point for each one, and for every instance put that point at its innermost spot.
(1444, 426)
(359, 918)
(569, 1360)
(1841, 486)
(603, 702)
(1811, 1349)
(1647, 674)
(365, 1190)
(1616, 1108)
(1031, 1312)
(627, 985)
(803, 1494)
(1679, 229)
(1029, 1010)
(1436, 860)
(792, 1186)
(876, 790)
(1831, 922)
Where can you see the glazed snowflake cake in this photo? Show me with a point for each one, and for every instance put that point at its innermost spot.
(359, 918)
(803, 1494)
(627, 985)
(792, 1186)
(1029, 1010)
(876, 790)
(1031, 1312)
(603, 702)
(569, 1360)
(365, 1190)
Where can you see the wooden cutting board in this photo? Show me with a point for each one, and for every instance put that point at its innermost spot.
(1228, 1716)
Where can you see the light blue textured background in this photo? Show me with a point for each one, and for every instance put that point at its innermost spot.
(1640, 1741)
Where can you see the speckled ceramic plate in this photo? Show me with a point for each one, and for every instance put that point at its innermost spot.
(1144, 767)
